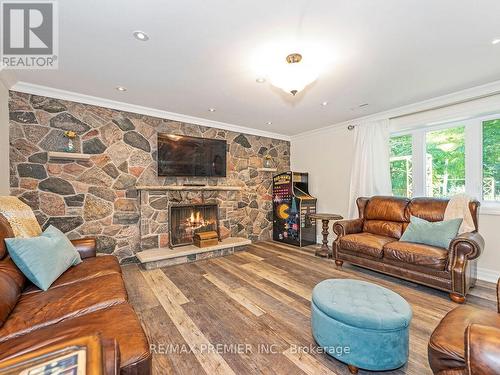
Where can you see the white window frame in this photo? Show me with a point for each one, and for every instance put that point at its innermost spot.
(473, 159)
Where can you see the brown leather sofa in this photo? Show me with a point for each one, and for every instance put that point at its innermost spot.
(467, 341)
(372, 241)
(87, 299)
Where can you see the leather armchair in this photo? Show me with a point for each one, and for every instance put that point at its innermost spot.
(482, 349)
(467, 341)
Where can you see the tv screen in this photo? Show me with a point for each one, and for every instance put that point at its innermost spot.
(179, 155)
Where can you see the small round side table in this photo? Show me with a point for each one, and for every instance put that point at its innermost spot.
(324, 251)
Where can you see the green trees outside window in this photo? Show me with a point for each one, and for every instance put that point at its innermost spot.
(445, 164)
(441, 155)
(491, 160)
(401, 165)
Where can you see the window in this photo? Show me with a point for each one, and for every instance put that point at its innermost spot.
(444, 160)
(491, 160)
(401, 154)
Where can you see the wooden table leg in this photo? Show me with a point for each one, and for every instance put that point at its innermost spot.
(324, 250)
(352, 369)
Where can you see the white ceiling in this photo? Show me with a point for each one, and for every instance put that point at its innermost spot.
(386, 53)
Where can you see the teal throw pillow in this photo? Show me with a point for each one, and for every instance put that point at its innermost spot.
(438, 233)
(44, 258)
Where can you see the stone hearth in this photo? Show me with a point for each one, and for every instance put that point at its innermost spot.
(155, 258)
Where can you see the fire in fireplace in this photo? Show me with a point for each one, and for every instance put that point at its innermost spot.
(186, 220)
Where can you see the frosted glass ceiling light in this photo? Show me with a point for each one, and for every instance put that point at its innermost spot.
(293, 76)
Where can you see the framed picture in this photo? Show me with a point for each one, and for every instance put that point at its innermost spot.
(79, 356)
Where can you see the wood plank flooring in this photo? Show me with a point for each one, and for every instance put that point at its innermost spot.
(249, 313)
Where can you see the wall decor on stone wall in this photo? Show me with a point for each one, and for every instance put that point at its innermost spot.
(98, 197)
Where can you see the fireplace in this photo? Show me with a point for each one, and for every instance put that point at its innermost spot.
(187, 219)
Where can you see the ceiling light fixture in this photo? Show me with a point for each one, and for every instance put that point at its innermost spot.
(495, 41)
(121, 88)
(324, 104)
(211, 110)
(294, 76)
(269, 123)
(260, 80)
(141, 35)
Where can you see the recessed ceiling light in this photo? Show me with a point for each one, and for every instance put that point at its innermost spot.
(260, 80)
(495, 41)
(269, 123)
(324, 104)
(141, 35)
(121, 88)
(211, 110)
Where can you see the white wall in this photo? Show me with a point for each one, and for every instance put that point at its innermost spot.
(326, 154)
(4, 140)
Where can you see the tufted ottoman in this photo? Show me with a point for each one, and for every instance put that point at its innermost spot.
(361, 324)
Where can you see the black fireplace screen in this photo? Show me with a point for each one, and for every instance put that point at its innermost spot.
(186, 220)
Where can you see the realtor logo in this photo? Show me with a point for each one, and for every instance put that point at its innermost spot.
(29, 35)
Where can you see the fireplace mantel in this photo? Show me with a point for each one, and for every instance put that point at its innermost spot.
(184, 187)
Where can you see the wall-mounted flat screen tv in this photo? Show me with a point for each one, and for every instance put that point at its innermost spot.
(179, 155)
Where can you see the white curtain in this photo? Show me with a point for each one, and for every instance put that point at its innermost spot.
(370, 173)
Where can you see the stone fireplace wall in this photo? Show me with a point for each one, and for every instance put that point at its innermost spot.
(98, 197)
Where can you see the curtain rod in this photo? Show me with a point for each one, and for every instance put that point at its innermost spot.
(351, 127)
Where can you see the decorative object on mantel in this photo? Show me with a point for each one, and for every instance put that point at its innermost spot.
(205, 239)
(268, 162)
(324, 251)
(70, 135)
(56, 155)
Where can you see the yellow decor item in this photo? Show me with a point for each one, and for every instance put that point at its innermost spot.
(20, 217)
(70, 134)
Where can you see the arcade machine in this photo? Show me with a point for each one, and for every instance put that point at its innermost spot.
(292, 205)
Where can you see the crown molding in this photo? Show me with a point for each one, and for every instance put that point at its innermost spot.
(33, 89)
(425, 105)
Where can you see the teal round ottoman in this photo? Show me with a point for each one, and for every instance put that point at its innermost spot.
(361, 324)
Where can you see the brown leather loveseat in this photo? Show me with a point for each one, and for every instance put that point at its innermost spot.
(87, 299)
(372, 241)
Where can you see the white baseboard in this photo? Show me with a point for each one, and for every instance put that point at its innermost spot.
(486, 274)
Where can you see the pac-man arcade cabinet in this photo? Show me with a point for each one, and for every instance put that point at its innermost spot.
(292, 205)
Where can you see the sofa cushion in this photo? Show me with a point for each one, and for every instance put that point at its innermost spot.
(89, 268)
(384, 228)
(36, 310)
(365, 243)
(430, 209)
(418, 254)
(119, 322)
(447, 342)
(438, 233)
(387, 209)
(43, 258)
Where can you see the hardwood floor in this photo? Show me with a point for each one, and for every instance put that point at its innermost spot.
(248, 313)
